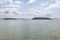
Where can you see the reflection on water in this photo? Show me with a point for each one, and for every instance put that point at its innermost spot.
(29, 30)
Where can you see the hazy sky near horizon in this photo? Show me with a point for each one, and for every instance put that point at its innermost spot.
(44, 8)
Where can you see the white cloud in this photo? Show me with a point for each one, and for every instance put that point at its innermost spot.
(31, 1)
(50, 8)
(47, 10)
(44, 4)
(11, 2)
(1, 2)
(12, 6)
(17, 2)
(12, 12)
(38, 11)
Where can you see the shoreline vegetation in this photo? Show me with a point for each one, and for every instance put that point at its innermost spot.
(34, 18)
(13, 18)
(41, 18)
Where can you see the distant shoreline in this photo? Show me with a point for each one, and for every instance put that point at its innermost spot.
(29, 19)
(13, 18)
(41, 18)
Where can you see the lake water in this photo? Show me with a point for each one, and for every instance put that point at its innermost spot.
(29, 29)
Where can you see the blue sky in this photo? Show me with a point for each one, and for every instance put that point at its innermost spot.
(41, 8)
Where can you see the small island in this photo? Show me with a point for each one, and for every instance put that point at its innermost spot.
(15, 19)
(41, 18)
(10, 19)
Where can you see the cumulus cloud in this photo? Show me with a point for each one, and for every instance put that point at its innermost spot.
(52, 7)
(11, 2)
(31, 1)
(17, 2)
(47, 11)
(1, 2)
(44, 4)
(11, 10)
(41, 10)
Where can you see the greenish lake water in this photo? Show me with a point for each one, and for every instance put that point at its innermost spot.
(29, 29)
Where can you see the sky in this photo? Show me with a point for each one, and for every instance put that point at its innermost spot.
(30, 8)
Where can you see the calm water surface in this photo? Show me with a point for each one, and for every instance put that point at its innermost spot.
(29, 29)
